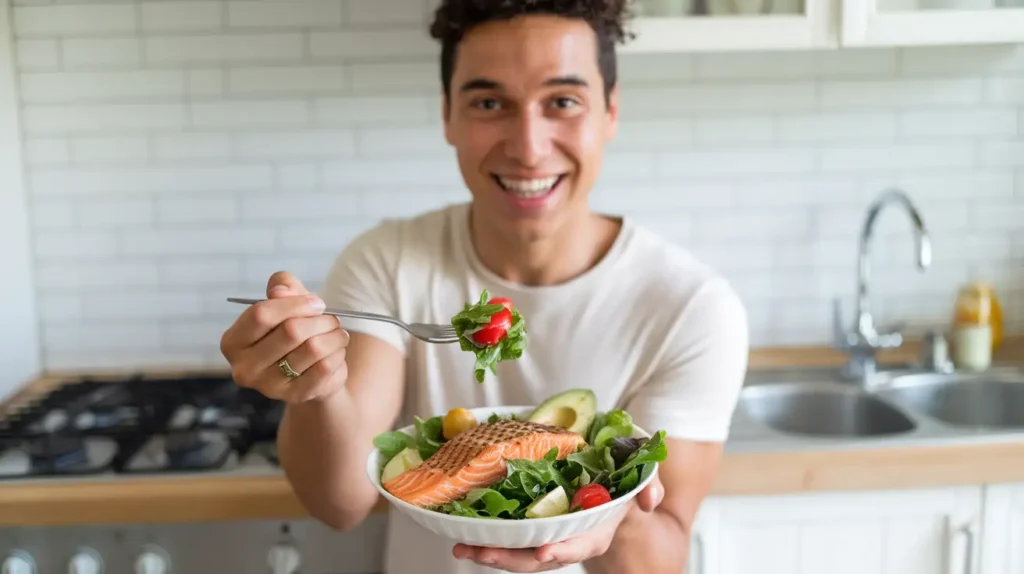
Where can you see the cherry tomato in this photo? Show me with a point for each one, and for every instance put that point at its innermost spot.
(456, 422)
(496, 328)
(589, 496)
(505, 301)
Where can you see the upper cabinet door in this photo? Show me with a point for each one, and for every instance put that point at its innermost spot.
(931, 22)
(731, 25)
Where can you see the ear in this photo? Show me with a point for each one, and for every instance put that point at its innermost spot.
(612, 113)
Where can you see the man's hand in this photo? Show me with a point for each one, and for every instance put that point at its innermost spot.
(573, 551)
(290, 326)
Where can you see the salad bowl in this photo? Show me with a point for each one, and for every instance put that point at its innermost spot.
(504, 531)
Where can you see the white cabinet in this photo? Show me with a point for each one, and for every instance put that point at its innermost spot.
(755, 25)
(1002, 546)
(933, 531)
(731, 25)
(931, 22)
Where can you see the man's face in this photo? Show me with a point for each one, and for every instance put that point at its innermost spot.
(528, 120)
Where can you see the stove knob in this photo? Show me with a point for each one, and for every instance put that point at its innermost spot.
(85, 561)
(18, 562)
(153, 561)
(284, 559)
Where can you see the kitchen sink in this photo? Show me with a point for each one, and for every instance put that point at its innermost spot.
(961, 400)
(822, 410)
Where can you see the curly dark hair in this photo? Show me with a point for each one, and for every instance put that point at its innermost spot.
(453, 18)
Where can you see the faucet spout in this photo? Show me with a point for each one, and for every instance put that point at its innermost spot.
(865, 338)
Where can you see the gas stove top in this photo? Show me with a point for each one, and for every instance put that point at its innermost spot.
(136, 426)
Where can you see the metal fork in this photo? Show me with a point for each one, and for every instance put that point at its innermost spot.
(429, 332)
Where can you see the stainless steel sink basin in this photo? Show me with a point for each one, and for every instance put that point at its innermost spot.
(962, 400)
(822, 410)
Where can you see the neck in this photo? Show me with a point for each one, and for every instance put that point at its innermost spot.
(574, 249)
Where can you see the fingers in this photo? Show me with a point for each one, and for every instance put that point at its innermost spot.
(286, 338)
(649, 498)
(506, 559)
(283, 284)
(322, 378)
(316, 348)
(258, 320)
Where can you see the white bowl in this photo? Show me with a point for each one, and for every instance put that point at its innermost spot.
(524, 533)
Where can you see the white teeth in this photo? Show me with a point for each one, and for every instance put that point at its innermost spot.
(528, 187)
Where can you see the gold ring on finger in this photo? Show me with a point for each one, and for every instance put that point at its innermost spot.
(287, 369)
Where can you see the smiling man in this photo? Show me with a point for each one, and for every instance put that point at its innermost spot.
(531, 98)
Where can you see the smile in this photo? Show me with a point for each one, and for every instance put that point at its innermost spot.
(528, 188)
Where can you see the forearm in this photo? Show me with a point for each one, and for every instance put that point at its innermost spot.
(323, 448)
(655, 543)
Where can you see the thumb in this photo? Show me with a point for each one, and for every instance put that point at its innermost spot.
(284, 284)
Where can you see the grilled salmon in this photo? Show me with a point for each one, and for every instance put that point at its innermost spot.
(477, 459)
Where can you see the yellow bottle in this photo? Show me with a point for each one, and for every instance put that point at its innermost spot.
(977, 326)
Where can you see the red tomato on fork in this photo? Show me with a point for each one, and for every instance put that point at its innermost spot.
(498, 326)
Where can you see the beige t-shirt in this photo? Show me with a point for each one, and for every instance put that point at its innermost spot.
(650, 329)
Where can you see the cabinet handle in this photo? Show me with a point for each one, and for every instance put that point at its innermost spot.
(968, 532)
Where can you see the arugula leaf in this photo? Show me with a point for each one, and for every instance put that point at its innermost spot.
(654, 450)
(391, 443)
(474, 317)
(428, 436)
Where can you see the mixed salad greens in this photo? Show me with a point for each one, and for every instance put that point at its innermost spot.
(493, 330)
(611, 464)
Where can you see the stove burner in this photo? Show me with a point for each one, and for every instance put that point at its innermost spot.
(185, 450)
(59, 453)
(155, 425)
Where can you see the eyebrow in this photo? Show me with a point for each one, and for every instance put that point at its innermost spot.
(487, 84)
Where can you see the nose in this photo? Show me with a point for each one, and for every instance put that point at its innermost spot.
(530, 139)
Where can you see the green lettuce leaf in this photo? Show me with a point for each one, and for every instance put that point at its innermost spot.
(471, 319)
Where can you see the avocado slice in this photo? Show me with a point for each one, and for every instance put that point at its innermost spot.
(408, 459)
(574, 409)
(552, 503)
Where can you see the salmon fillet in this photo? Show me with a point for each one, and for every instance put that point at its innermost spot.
(477, 459)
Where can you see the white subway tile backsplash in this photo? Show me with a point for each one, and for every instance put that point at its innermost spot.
(178, 152)
(287, 80)
(94, 53)
(326, 144)
(234, 48)
(249, 114)
(176, 16)
(101, 118)
(373, 43)
(37, 54)
(272, 14)
(90, 18)
(70, 87)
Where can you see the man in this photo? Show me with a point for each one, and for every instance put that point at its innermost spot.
(530, 100)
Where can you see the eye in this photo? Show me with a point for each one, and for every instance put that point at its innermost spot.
(486, 104)
(565, 103)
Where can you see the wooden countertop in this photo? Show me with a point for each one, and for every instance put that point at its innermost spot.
(205, 498)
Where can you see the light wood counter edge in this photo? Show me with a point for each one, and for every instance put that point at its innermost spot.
(202, 498)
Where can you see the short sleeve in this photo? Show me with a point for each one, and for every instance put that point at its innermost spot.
(363, 278)
(693, 392)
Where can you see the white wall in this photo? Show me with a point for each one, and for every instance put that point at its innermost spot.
(179, 152)
(19, 335)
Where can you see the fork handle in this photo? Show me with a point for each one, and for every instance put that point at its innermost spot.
(329, 311)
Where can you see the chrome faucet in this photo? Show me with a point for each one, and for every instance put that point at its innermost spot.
(865, 340)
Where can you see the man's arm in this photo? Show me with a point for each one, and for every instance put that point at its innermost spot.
(692, 395)
(323, 445)
(659, 541)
